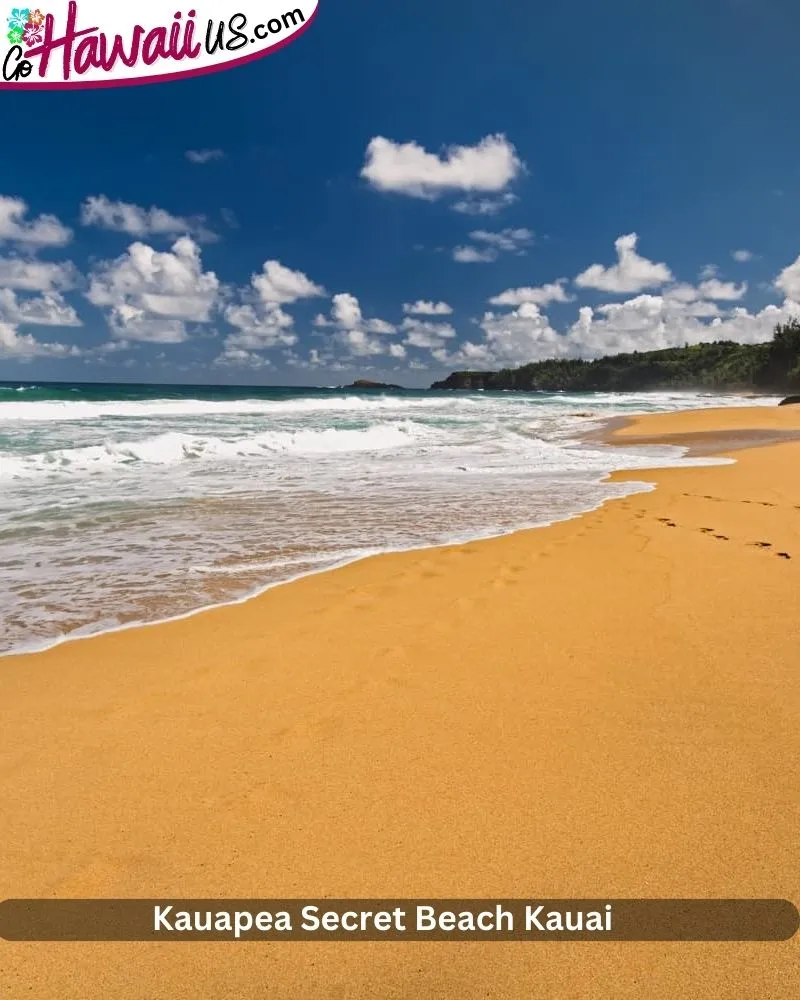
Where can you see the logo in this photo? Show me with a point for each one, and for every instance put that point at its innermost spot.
(92, 43)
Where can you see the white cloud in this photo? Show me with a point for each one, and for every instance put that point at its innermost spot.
(281, 285)
(25, 347)
(631, 273)
(407, 168)
(314, 359)
(260, 322)
(360, 336)
(485, 206)
(742, 256)
(541, 296)
(426, 334)
(655, 322)
(43, 231)
(380, 326)
(493, 244)
(722, 290)
(507, 240)
(509, 339)
(704, 294)
(49, 309)
(346, 311)
(346, 314)
(235, 357)
(788, 281)
(523, 334)
(204, 155)
(123, 217)
(360, 344)
(424, 308)
(37, 275)
(643, 323)
(474, 255)
(151, 295)
(259, 330)
(113, 347)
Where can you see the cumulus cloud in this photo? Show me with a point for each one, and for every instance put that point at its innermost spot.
(25, 347)
(258, 317)
(359, 336)
(722, 290)
(523, 333)
(703, 295)
(508, 339)
(631, 273)
(642, 323)
(407, 168)
(152, 295)
(492, 244)
(281, 285)
(788, 281)
(485, 206)
(541, 296)
(424, 308)
(19, 279)
(50, 309)
(425, 333)
(259, 330)
(655, 322)
(204, 155)
(742, 256)
(36, 275)
(43, 231)
(123, 217)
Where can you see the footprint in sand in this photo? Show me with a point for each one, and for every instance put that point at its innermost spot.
(784, 555)
(723, 538)
(666, 520)
(762, 545)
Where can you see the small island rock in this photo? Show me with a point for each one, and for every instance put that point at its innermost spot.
(364, 383)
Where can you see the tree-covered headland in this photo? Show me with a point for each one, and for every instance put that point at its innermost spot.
(725, 365)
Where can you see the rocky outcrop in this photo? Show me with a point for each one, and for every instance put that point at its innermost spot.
(364, 383)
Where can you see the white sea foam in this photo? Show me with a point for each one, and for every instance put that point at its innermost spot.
(173, 447)
(69, 410)
(110, 509)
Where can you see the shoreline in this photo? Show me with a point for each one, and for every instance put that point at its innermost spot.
(603, 708)
(604, 435)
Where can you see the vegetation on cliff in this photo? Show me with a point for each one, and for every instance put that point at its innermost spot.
(769, 367)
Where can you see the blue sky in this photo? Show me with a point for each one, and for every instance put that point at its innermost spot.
(613, 177)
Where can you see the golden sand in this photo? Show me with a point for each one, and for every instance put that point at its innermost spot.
(603, 708)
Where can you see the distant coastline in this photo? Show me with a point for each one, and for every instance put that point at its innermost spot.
(723, 366)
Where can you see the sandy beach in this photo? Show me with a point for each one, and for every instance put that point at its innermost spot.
(607, 707)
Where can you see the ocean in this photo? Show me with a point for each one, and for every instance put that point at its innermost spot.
(122, 504)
